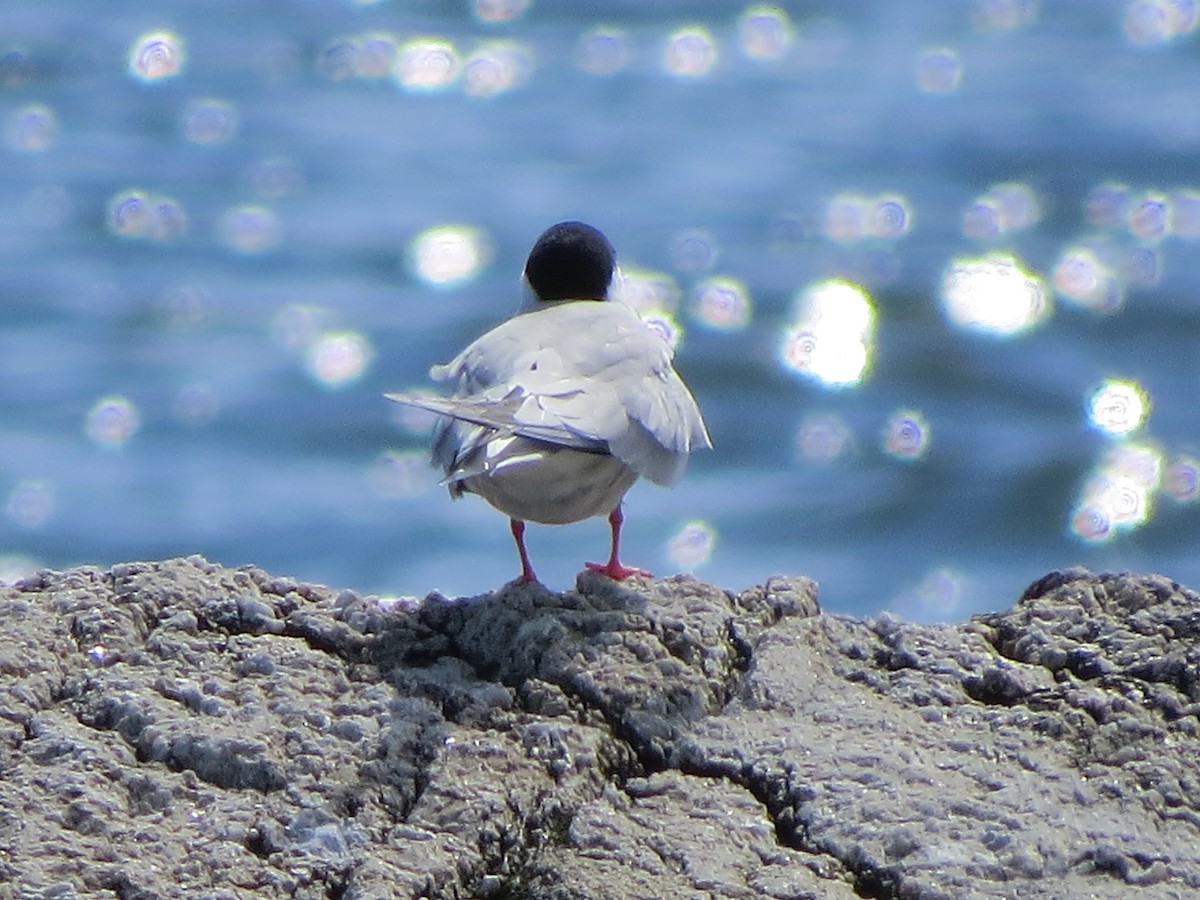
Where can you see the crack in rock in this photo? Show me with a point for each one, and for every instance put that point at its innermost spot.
(255, 736)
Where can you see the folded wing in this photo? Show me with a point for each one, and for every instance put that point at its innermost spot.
(589, 376)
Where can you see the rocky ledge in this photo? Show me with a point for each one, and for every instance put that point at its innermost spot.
(180, 729)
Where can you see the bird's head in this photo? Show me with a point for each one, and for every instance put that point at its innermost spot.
(570, 261)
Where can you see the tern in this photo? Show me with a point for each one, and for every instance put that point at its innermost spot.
(556, 412)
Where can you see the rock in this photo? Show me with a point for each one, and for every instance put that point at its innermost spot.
(182, 729)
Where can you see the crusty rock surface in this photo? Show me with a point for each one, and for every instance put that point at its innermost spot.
(179, 729)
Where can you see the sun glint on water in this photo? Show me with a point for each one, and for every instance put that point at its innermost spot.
(831, 336)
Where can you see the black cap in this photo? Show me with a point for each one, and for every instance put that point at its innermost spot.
(571, 261)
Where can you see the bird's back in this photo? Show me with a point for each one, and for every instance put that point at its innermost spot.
(578, 372)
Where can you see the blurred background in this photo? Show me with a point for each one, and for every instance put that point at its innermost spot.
(931, 269)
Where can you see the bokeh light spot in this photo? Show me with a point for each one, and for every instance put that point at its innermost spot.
(338, 60)
(939, 71)
(493, 11)
(831, 336)
(982, 219)
(690, 53)
(129, 213)
(1149, 22)
(31, 128)
(907, 435)
(1150, 217)
(1181, 480)
(851, 217)
(397, 473)
(427, 64)
(1019, 204)
(1107, 205)
(693, 544)
(1185, 214)
(693, 251)
(1118, 407)
(846, 218)
(375, 55)
(938, 597)
(1004, 209)
(156, 55)
(604, 51)
(822, 438)
(136, 214)
(497, 67)
(1119, 493)
(449, 255)
(209, 121)
(722, 304)
(1084, 277)
(1142, 266)
(1002, 15)
(274, 178)
(298, 325)
(168, 221)
(994, 294)
(765, 32)
(184, 306)
(1141, 464)
(338, 358)
(1090, 522)
(837, 305)
(112, 421)
(647, 291)
(890, 217)
(31, 503)
(249, 230)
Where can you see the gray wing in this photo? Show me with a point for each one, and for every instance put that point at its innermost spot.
(502, 416)
(585, 375)
(665, 426)
(657, 423)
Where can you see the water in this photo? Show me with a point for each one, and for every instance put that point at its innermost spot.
(210, 274)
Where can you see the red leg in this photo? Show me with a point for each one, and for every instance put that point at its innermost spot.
(613, 568)
(518, 533)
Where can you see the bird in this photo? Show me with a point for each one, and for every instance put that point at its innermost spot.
(557, 411)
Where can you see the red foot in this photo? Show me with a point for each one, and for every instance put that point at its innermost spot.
(616, 571)
(613, 568)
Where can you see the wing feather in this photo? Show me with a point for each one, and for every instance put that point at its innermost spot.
(585, 375)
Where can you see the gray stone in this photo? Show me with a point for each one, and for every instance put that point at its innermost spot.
(182, 729)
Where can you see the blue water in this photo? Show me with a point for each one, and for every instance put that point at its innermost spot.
(242, 453)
